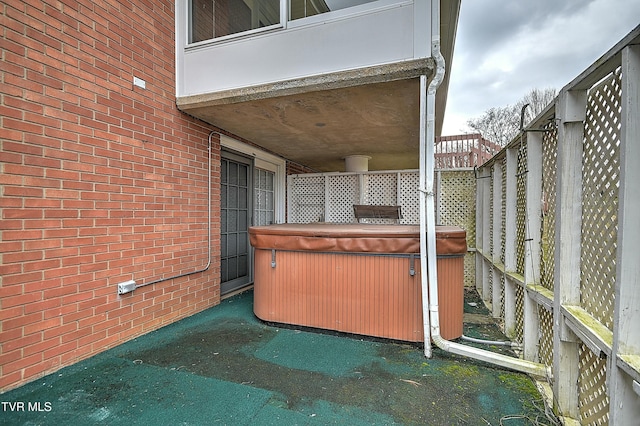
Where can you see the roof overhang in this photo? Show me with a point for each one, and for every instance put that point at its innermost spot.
(318, 121)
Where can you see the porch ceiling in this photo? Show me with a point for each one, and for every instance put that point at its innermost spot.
(317, 121)
(319, 128)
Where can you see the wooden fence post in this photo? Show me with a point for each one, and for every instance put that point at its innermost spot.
(571, 110)
(624, 394)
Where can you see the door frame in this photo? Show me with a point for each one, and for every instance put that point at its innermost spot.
(266, 161)
(245, 280)
(262, 160)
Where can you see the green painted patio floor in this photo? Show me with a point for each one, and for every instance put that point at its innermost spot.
(225, 367)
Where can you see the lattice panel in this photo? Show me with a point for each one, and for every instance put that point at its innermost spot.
(503, 201)
(306, 195)
(600, 180)
(502, 284)
(521, 207)
(519, 331)
(470, 269)
(381, 190)
(545, 333)
(593, 399)
(549, 167)
(343, 192)
(492, 244)
(409, 198)
(306, 199)
(458, 201)
(492, 287)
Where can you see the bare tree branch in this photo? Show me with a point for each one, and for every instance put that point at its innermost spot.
(501, 124)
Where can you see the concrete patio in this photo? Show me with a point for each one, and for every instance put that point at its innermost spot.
(224, 366)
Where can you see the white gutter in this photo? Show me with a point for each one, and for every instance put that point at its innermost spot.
(428, 258)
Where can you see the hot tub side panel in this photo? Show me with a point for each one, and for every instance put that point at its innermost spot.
(370, 295)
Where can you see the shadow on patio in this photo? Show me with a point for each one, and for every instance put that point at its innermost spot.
(224, 366)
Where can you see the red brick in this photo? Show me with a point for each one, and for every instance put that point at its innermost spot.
(60, 350)
(8, 302)
(77, 297)
(60, 233)
(23, 342)
(53, 333)
(42, 244)
(22, 126)
(10, 380)
(41, 306)
(62, 253)
(60, 291)
(62, 213)
(75, 191)
(11, 224)
(40, 266)
(10, 313)
(92, 336)
(77, 279)
(37, 201)
(75, 335)
(21, 321)
(21, 213)
(21, 362)
(104, 324)
(40, 369)
(11, 335)
(42, 325)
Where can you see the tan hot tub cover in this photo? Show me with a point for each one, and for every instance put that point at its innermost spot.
(354, 238)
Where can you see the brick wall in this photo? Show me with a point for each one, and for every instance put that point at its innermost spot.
(101, 182)
(298, 169)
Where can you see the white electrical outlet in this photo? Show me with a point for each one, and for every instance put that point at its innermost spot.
(126, 287)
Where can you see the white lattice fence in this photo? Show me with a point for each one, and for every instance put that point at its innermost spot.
(330, 197)
(320, 197)
(548, 235)
(600, 182)
(560, 238)
(549, 177)
(456, 197)
(306, 198)
(381, 189)
(342, 192)
(408, 197)
(592, 388)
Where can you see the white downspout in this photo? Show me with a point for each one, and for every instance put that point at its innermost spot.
(423, 221)
(428, 259)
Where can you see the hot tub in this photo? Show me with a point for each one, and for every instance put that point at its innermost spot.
(355, 278)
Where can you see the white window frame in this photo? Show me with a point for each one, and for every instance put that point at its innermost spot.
(282, 25)
(265, 161)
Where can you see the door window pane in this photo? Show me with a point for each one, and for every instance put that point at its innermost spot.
(263, 202)
(235, 209)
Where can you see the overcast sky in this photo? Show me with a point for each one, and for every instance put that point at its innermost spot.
(506, 48)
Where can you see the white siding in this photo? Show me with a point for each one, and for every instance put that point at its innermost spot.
(342, 40)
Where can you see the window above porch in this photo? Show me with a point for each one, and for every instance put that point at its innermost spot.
(220, 19)
(313, 85)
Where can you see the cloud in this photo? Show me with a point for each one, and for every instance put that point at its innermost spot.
(505, 49)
